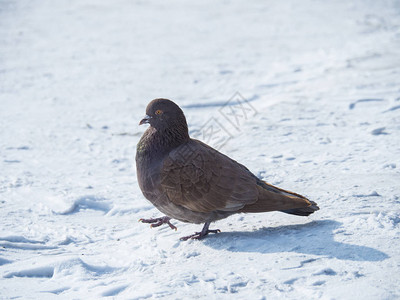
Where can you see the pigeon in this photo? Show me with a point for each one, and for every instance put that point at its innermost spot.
(187, 180)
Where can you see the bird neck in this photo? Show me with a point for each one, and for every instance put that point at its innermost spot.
(159, 142)
(173, 136)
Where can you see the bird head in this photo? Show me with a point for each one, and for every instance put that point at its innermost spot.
(163, 114)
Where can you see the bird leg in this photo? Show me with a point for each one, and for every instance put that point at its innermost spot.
(199, 235)
(158, 222)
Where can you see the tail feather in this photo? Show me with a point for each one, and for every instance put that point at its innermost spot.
(274, 198)
(305, 211)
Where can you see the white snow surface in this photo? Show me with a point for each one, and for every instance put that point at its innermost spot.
(323, 80)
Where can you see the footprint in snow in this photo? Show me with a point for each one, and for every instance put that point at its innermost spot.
(353, 105)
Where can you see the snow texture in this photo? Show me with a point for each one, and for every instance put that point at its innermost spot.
(318, 88)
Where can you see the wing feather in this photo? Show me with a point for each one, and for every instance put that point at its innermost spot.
(202, 179)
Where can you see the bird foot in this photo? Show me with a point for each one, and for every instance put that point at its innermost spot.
(199, 235)
(158, 222)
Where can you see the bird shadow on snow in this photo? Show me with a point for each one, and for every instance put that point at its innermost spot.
(315, 238)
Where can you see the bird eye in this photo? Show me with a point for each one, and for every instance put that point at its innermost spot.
(158, 112)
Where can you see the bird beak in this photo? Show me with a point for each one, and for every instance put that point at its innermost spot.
(145, 120)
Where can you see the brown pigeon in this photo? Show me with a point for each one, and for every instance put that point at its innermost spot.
(189, 181)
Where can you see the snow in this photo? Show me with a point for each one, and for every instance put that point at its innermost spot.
(314, 97)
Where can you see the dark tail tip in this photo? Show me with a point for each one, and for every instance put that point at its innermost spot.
(305, 211)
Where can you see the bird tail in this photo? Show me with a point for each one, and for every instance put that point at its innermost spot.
(304, 211)
(274, 198)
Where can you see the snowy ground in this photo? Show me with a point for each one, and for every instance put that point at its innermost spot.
(323, 78)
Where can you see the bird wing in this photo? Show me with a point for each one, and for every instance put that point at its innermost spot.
(202, 179)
